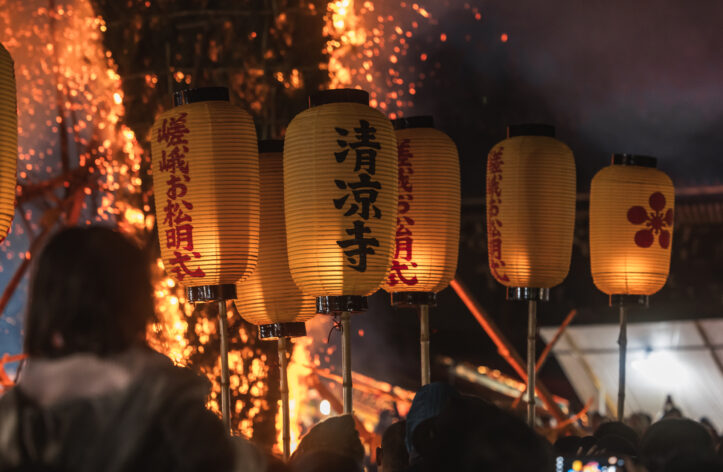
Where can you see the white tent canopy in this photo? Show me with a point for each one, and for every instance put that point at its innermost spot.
(679, 358)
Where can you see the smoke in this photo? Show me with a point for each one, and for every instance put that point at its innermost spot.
(638, 77)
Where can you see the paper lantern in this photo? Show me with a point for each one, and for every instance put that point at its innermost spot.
(530, 210)
(206, 181)
(427, 235)
(269, 298)
(631, 226)
(340, 193)
(8, 142)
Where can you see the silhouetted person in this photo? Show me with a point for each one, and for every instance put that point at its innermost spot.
(616, 438)
(93, 396)
(332, 445)
(673, 440)
(394, 455)
(470, 435)
(428, 402)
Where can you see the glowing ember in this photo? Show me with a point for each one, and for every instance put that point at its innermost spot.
(70, 105)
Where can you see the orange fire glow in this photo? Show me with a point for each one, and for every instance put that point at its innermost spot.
(68, 87)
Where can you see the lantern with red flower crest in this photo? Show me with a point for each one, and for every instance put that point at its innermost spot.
(631, 235)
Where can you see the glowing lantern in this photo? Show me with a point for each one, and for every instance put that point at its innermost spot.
(269, 298)
(340, 194)
(206, 180)
(530, 222)
(631, 226)
(206, 185)
(530, 210)
(8, 142)
(631, 235)
(427, 239)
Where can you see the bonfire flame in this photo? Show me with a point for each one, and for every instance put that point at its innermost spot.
(75, 153)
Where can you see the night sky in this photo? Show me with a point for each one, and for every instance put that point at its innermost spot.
(638, 77)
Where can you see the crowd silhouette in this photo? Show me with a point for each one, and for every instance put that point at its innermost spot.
(94, 397)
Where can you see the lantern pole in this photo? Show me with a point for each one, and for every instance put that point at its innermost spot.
(424, 343)
(225, 384)
(284, 389)
(343, 306)
(623, 345)
(421, 301)
(531, 296)
(531, 338)
(346, 360)
(282, 333)
(218, 293)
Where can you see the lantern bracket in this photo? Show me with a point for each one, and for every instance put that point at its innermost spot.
(281, 330)
(413, 299)
(344, 95)
(211, 293)
(421, 121)
(203, 94)
(634, 160)
(333, 305)
(629, 300)
(528, 293)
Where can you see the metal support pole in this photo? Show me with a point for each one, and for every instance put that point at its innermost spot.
(225, 385)
(424, 344)
(346, 360)
(623, 344)
(531, 338)
(284, 389)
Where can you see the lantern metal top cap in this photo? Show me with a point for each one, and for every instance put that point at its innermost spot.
(634, 160)
(210, 293)
(271, 145)
(531, 129)
(203, 94)
(422, 121)
(282, 330)
(540, 294)
(324, 97)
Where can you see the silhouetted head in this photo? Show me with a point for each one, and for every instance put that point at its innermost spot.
(617, 428)
(428, 402)
(394, 455)
(673, 438)
(335, 436)
(471, 435)
(90, 292)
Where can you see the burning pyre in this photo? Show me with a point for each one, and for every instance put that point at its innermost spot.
(79, 163)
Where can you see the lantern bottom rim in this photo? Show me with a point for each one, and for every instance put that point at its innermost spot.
(333, 305)
(211, 293)
(413, 299)
(274, 331)
(541, 294)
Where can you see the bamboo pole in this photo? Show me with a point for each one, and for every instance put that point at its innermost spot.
(531, 338)
(346, 361)
(504, 348)
(623, 344)
(284, 389)
(424, 344)
(225, 385)
(546, 352)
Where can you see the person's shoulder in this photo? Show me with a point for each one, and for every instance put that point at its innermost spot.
(8, 428)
